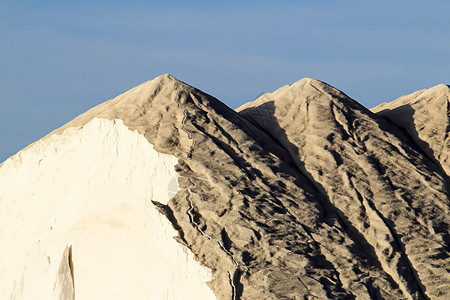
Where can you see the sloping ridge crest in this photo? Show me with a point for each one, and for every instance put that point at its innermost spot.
(306, 153)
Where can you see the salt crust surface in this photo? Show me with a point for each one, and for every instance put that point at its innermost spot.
(91, 188)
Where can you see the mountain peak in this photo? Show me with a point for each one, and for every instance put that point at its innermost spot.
(305, 89)
(437, 93)
(161, 79)
(441, 87)
(424, 116)
(156, 84)
(440, 90)
(305, 84)
(304, 194)
(311, 81)
(132, 106)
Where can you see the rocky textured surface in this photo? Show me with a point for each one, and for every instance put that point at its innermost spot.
(300, 194)
(387, 192)
(425, 116)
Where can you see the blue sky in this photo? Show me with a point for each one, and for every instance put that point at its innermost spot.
(60, 58)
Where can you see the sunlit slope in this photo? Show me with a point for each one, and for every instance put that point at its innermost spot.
(164, 192)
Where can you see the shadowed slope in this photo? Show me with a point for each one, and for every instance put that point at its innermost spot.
(382, 187)
(257, 224)
(425, 115)
(303, 194)
(242, 211)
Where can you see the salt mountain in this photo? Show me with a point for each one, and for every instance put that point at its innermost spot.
(166, 193)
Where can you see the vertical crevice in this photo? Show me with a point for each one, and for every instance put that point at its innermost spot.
(64, 287)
